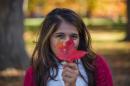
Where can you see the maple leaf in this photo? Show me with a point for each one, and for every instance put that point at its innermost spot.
(68, 52)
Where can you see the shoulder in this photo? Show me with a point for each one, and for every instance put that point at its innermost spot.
(101, 64)
(99, 60)
(28, 78)
(30, 70)
(103, 73)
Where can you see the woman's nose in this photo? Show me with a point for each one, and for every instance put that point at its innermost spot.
(67, 38)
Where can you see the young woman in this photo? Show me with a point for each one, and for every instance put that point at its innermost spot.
(47, 70)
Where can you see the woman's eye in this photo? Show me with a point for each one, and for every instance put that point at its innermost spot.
(60, 36)
(74, 37)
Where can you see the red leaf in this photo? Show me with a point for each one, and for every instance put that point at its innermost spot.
(67, 52)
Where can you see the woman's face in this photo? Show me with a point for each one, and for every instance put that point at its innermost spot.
(63, 34)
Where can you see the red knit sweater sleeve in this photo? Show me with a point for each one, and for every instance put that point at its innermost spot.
(103, 74)
(28, 78)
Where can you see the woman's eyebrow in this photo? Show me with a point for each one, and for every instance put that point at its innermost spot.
(74, 34)
(64, 33)
(59, 33)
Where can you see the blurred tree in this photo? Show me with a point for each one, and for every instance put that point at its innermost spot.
(91, 4)
(12, 51)
(35, 7)
(128, 21)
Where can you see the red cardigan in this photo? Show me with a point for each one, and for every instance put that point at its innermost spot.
(103, 74)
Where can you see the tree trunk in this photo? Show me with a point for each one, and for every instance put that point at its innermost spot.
(89, 13)
(12, 51)
(128, 22)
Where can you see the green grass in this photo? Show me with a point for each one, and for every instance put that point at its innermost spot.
(97, 22)
(34, 22)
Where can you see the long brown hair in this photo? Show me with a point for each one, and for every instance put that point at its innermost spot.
(43, 58)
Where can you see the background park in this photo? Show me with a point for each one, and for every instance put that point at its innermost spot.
(107, 20)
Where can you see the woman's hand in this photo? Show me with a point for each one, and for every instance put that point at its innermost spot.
(70, 74)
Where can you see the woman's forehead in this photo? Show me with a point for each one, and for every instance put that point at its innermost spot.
(66, 27)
